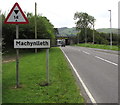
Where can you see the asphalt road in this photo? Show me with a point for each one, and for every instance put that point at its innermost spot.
(98, 69)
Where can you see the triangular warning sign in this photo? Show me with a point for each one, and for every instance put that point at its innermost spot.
(16, 16)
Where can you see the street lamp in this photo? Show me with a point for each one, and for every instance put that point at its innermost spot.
(93, 34)
(78, 36)
(110, 30)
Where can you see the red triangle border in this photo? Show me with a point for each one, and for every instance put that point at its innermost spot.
(16, 4)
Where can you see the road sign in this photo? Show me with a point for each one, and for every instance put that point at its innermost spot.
(32, 43)
(16, 16)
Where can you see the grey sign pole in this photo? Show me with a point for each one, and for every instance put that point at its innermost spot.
(47, 65)
(17, 58)
(35, 24)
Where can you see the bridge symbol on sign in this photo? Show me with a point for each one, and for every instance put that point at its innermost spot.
(16, 16)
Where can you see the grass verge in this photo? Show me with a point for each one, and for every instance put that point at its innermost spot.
(107, 47)
(62, 88)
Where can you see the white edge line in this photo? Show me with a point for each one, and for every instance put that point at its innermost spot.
(106, 60)
(83, 84)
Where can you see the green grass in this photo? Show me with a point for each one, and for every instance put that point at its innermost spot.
(62, 88)
(99, 46)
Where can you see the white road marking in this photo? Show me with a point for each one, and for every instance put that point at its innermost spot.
(86, 52)
(101, 58)
(74, 49)
(80, 79)
(107, 61)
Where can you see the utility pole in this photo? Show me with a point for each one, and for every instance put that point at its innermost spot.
(78, 38)
(85, 35)
(35, 24)
(93, 34)
(110, 30)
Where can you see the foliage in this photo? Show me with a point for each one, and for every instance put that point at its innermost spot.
(102, 46)
(108, 30)
(67, 31)
(84, 20)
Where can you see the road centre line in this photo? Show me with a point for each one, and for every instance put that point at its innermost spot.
(107, 60)
(80, 79)
(86, 52)
(101, 58)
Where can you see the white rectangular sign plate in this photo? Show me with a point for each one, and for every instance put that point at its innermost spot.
(32, 43)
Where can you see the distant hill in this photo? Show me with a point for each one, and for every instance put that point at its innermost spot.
(64, 31)
(107, 30)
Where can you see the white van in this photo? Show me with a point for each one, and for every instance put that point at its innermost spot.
(61, 42)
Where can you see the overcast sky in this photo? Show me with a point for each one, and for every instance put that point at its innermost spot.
(61, 12)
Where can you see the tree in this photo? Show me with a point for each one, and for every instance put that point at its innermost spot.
(84, 21)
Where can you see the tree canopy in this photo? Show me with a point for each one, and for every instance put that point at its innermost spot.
(83, 20)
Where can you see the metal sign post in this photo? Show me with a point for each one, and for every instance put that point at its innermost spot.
(47, 66)
(17, 58)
